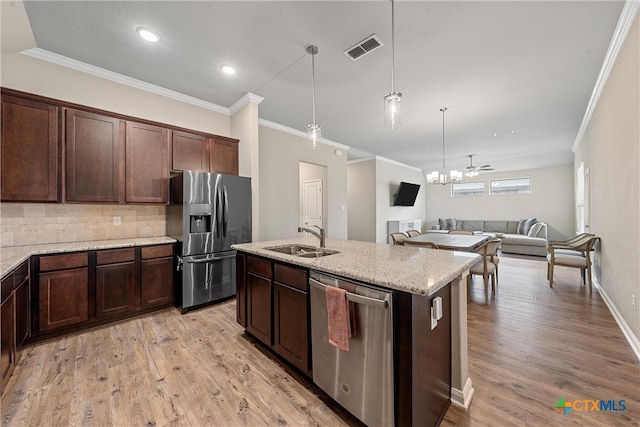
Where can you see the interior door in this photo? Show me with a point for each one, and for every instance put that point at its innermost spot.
(312, 203)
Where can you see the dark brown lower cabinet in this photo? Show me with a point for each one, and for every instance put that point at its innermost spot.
(156, 282)
(272, 304)
(259, 307)
(115, 289)
(23, 313)
(7, 342)
(290, 338)
(63, 298)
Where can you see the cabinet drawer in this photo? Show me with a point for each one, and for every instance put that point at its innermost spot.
(21, 273)
(115, 256)
(291, 276)
(7, 286)
(161, 251)
(62, 262)
(259, 266)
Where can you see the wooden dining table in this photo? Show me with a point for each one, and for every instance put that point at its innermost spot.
(454, 242)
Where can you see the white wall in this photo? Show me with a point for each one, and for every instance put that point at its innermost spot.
(280, 156)
(361, 190)
(388, 177)
(33, 75)
(372, 184)
(610, 152)
(551, 201)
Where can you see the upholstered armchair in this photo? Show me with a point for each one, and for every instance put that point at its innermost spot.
(574, 253)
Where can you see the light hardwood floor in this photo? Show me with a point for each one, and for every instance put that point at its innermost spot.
(528, 346)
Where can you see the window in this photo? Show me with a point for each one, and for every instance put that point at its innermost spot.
(473, 188)
(511, 186)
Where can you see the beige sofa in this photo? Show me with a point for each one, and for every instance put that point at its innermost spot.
(534, 242)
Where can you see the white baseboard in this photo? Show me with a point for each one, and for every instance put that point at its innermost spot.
(462, 398)
(628, 334)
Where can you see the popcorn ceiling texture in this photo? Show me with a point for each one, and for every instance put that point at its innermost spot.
(44, 223)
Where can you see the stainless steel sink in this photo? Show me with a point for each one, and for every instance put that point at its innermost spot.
(303, 251)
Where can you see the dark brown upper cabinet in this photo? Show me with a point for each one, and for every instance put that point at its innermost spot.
(224, 155)
(147, 163)
(189, 152)
(30, 151)
(95, 157)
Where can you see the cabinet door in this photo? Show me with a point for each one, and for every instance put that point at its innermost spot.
(115, 289)
(241, 290)
(189, 152)
(147, 163)
(290, 332)
(7, 344)
(30, 149)
(224, 156)
(156, 283)
(259, 307)
(63, 298)
(94, 147)
(23, 313)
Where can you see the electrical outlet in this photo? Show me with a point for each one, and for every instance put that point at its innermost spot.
(633, 302)
(116, 220)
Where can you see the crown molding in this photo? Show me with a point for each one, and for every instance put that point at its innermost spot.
(246, 99)
(299, 133)
(67, 62)
(384, 159)
(628, 15)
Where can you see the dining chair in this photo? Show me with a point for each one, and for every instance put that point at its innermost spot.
(399, 238)
(413, 233)
(421, 244)
(576, 254)
(467, 232)
(572, 240)
(485, 267)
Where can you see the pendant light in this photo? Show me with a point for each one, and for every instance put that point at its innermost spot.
(393, 100)
(313, 130)
(440, 177)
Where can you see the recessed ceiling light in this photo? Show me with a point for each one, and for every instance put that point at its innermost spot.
(148, 34)
(228, 69)
(503, 132)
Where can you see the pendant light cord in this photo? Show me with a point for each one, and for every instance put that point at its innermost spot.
(393, 43)
(313, 86)
(443, 109)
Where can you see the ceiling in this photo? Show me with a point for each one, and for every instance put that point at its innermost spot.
(529, 66)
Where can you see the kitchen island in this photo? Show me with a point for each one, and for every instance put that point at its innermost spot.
(274, 306)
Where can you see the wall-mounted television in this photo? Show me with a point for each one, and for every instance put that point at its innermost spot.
(406, 195)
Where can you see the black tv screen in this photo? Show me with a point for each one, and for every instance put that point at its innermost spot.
(406, 195)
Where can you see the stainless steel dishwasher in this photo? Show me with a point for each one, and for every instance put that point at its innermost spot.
(361, 380)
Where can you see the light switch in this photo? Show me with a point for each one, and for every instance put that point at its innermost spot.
(437, 306)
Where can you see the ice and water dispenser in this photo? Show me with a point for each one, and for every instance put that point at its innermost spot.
(199, 218)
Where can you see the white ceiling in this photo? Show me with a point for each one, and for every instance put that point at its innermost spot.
(530, 66)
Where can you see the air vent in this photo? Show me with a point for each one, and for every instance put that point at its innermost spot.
(367, 45)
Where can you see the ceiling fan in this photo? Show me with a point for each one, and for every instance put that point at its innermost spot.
(475, 170)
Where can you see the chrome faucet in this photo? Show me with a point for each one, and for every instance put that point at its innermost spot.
(319, 235)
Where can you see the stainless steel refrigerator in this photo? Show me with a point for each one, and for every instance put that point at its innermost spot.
(208, 213)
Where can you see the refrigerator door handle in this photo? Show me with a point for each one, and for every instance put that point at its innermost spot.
(218, 224)
(225, 213)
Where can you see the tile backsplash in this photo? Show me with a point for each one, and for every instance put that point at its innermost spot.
(40, 223)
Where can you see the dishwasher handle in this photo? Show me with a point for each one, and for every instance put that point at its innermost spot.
(358, 299)
(208, 260)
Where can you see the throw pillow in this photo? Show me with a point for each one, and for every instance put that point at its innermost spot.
(535, 229)
(447, 224)
(525, 224)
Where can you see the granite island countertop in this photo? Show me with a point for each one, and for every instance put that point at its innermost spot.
(12, 257)
(420, 271)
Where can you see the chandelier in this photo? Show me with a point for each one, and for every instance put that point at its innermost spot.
(441, 177)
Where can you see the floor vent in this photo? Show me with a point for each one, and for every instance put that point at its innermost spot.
(367, 45)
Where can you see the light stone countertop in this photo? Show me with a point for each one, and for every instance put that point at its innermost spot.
(14, 256)
(411, 269)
